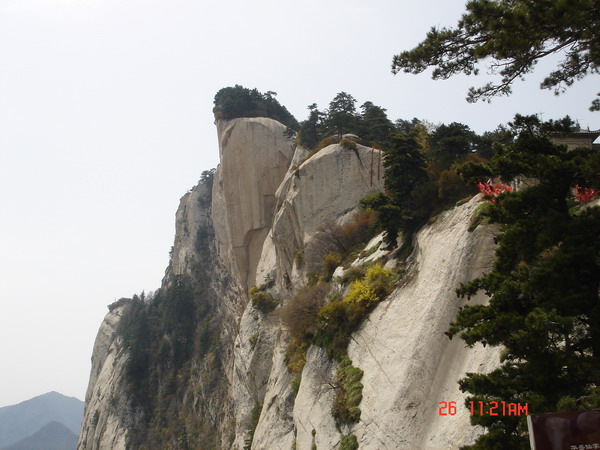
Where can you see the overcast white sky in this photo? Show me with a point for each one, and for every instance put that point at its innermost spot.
(106, 121)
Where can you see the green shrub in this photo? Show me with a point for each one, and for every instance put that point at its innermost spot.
(254, 340)
(348, 144)
(377, 285)
(262, 300)
(345, 407)
(295, 354)
(299, 313)
(95, 418)
(331, 261)
(269, 281)
(361, 293)
(352, 274)
(326, 142)
(337, 320)
(312, 278)
(348, 443)
(299, 258)
(480, 215)
(296, 383)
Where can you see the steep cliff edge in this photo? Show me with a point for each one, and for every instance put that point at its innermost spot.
(221, 380)
(102, 424)
(255, 156)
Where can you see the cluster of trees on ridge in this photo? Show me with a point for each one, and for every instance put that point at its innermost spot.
(238, 101)
(422, 159)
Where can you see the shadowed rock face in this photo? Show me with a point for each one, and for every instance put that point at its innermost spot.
(266, 203)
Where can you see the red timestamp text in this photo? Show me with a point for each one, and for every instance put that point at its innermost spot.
(491, 408)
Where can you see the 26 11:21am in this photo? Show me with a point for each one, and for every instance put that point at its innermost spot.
(492, 408)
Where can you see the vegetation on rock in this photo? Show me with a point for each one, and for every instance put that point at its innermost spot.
(348, 396)
(262, 300)
(349, 443)
(337, 320)
(238, 101)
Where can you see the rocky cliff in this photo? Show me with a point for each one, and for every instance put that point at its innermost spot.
(199, 365)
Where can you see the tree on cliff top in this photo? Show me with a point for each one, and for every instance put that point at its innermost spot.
(341, 115)
(238, 101)
(513, 35)
(401, 207)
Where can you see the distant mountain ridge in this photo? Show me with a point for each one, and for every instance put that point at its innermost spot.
(53, 436)
(27, 418)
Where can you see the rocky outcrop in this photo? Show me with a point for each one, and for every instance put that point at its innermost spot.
(325, 188)
(255, 156)
(105, 420)
(192, 217)
(253, 224)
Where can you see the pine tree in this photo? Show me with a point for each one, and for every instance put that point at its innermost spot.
(375, 127)
(511, 36)
(402, 206)
(341, 115)
(448, 143)
(544, 308)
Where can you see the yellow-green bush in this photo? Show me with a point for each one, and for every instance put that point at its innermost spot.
(337, 320)
(360, 292)
(379, 280)
(295, 355)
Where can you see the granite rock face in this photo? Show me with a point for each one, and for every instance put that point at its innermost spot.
(267, 202)
(410, 365)
(102, 425)
(255, 156)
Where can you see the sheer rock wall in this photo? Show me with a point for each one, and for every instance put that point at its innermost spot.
(265, 205)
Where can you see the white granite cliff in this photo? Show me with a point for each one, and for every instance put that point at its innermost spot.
(265, 206)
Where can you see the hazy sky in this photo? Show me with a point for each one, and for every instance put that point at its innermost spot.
(106, 121)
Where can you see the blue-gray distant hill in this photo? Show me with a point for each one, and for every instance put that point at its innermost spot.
(53, 436)
(27, 418)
